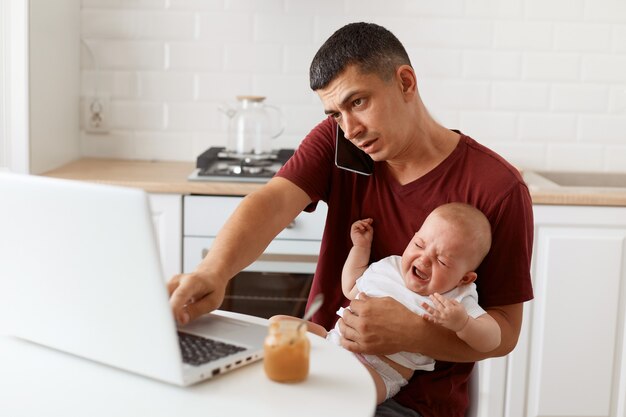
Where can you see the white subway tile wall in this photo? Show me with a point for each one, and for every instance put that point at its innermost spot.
(543, 82)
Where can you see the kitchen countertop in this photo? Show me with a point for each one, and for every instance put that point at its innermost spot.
(578, 197)
(154, 177)
(171, 177)
(547, 192)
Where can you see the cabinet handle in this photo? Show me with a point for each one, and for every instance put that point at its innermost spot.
(279, 257)
(288, 257)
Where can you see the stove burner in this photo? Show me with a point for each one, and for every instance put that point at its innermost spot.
(218, 164)
(244, 167)
(248, 157)
(249, 163)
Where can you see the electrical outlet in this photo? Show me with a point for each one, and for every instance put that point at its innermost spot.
(96, 114)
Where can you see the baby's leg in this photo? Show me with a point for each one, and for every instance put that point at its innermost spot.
(381, 389)
(310, 326)
(387, 379)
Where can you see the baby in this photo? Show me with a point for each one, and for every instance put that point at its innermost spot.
(434, 278)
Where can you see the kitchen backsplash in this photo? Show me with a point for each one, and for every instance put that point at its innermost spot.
(543, 82)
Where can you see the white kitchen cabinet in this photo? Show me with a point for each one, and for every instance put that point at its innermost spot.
(294, 250)
(491, 389)
(167, 212)
(571, 359)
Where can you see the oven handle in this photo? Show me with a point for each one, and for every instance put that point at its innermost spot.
(280, 257)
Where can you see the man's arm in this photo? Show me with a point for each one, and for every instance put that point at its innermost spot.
(384, 326)
(243, 238)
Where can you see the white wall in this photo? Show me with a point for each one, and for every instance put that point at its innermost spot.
(4, 143)
(541, 81)
(14, 153)
(54, 83)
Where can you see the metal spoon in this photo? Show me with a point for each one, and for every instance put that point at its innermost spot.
(315, 305)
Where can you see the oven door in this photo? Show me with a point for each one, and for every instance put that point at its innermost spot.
(277, 283)
(280, 280)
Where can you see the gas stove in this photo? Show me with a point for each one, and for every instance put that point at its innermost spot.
(218, 164)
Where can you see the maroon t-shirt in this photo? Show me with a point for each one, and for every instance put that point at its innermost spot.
(472, 174)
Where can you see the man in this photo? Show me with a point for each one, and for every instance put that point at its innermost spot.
(368, 88)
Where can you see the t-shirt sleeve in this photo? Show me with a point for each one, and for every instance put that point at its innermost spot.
(467, 295)
(474, 310)
(504, 275)
(311, 165)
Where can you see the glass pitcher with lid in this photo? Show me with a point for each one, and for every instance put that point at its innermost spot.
(252, 126)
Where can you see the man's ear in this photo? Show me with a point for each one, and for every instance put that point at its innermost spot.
(407, 79)
(468, 278)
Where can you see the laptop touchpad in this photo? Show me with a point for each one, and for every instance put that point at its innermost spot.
(227, 329)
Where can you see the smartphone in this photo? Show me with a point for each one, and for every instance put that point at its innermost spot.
(351, 158)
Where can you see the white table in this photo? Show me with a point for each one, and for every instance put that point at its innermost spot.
(37, 381)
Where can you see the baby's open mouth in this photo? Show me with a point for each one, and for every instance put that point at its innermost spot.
(419, 274)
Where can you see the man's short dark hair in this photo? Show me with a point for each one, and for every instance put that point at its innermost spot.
(372, 48)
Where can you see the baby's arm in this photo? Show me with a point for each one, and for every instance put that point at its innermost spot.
(357, 261)
(481, 333)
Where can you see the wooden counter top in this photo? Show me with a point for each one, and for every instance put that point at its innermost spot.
(544, 191)
(171, 177)
(154, 177)
(578, 198)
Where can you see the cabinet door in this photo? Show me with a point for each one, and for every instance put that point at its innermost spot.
(491, 387)
(167, 218)
(198, 222)
(571, 360)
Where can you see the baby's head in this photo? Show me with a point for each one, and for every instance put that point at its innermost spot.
(447, 249)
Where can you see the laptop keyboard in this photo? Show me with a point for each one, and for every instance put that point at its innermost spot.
(198, 350)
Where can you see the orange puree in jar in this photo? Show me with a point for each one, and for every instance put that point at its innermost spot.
(287, 352)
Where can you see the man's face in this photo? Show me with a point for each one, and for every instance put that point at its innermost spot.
(368, 110)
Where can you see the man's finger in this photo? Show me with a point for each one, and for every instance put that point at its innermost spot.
(181, 301)
(198, 307)
(362, 297)
(357, 303)
(348, 337)
(346, 319)
(346, 327)
(180, 296)
(172, 284)
(351, 346)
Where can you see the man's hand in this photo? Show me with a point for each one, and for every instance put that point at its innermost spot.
(194, 294)
(379, 326)
(382, 326)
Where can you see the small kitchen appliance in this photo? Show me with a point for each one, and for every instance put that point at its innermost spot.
(253, 125)
(248, 155)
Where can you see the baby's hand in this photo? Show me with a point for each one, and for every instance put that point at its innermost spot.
(448, 313)
(362, 232)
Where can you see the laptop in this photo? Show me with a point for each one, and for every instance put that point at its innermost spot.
(80, 271)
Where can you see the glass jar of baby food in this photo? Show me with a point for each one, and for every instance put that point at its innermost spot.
(287, 350)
